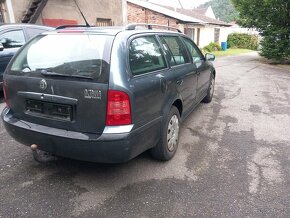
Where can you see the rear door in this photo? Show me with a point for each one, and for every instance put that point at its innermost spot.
(148, 83)
(183, 71)
(61, 80)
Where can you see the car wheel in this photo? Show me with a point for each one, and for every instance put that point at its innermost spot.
(210, 91)
(168, 143)
(43, 156)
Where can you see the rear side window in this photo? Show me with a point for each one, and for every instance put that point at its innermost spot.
(177, 51)
(68, 55)
(12, 39)
(145, 55)
(31, 32)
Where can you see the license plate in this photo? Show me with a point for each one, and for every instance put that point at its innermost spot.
(49, 110)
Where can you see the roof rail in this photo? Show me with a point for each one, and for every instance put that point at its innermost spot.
(149, 26)
(68, 26)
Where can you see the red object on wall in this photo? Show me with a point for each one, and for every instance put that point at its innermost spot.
(58, 22)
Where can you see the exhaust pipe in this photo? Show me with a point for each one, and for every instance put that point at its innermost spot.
(33, 147)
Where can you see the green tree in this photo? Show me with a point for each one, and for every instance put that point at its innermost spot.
(223, 9)
(271, 18)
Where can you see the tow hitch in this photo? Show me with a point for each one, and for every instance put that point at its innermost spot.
(41, 156)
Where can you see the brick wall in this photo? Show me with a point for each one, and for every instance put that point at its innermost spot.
(137, 14)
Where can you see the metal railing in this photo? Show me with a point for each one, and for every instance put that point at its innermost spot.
(149, 26)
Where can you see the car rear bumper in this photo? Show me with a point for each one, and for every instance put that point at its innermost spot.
(104, 148)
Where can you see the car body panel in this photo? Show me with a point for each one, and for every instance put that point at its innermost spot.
(105, 148)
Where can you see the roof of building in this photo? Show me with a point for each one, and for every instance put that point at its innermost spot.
(166, 11)
(199, 10)
(196, 13)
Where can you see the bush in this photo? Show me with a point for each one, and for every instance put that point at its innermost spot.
(276, 47)
(271, 18)
(213, 46)
(243, 40)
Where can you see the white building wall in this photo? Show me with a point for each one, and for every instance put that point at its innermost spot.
(224, 32)
(206, 36)
(19, 9)
(10, 11)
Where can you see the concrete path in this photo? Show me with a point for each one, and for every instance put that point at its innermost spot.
(233, 161)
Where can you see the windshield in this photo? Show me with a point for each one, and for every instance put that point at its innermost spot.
(75, 55)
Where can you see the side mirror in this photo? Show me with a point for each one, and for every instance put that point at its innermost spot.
(209, 57)
(1, 47)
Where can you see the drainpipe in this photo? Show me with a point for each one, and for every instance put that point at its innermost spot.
(10, 11)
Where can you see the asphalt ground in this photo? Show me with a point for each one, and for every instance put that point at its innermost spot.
(233, 161)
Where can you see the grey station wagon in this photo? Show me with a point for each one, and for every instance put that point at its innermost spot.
(105, 94)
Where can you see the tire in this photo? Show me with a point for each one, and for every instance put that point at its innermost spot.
(167, 146)
(43, 156)
(210, 91)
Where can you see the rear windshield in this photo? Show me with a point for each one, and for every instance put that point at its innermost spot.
(65, 55)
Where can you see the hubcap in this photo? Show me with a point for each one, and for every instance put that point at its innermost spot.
(212, 86)
(172, 133)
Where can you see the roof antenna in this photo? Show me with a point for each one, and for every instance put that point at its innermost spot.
(180, 4)
(87, 24)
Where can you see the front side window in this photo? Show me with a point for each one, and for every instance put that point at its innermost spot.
(70, 55)
(194, 51)
(145, 55)
(177, 50)
(12, 39)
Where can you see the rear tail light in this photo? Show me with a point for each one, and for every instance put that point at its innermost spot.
(4, 93)
(118, 108)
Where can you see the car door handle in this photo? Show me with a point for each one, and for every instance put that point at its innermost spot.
(179, 82)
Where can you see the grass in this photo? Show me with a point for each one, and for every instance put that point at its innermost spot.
(229, 52)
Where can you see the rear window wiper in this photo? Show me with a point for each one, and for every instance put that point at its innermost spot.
(51, 73)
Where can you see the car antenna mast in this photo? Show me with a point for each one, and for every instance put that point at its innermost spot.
(87, 24)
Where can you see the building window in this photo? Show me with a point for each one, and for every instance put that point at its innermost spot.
(104, 22)
(189, 32)
(216, 35)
